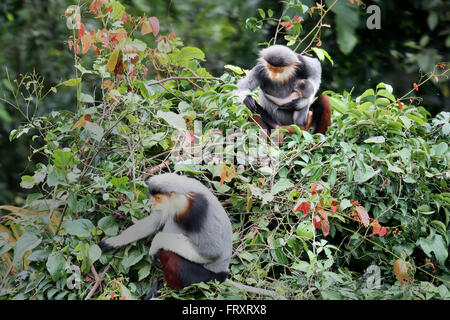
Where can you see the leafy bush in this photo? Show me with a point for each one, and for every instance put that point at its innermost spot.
(376, 186)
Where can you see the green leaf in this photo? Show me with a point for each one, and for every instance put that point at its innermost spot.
(235, 69)
(94, 130)
(55, 265)
(27, 182)
(281, 185)
(262, 13)
(439, 149)
(26, 242)
(377, 139)
(81, 228)
(338, 105)
(134, 257)
(63, 159)
(367, 93)
(436, 244)
(365, 174)
(86, 98)
(192, 53)
(302, 266)
(71, 82)
(94, 253)
(173, 119)
(432, 20)
(425, 209)
(117, 11)
(347, 20)
(109, 226)
(144, 272)
(305, 230)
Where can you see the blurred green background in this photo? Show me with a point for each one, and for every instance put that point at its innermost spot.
(414, 35)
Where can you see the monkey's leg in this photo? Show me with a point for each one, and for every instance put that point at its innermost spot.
(153, 292)
(141, 229)
(179, 272)
(301, 116)
(177, 243)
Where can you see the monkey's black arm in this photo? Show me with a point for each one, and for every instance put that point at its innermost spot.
(265, 118)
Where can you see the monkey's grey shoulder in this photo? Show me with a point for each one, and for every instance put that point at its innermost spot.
(312, 64)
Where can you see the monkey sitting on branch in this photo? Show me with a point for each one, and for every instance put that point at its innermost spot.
(288, 83)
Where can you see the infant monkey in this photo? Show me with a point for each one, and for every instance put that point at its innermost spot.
(303, 89)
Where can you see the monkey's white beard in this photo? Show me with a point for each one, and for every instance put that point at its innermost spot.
(286, 75)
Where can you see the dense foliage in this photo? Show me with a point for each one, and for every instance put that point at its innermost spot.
(361, 213)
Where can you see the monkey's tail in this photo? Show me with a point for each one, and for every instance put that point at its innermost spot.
(264, 292)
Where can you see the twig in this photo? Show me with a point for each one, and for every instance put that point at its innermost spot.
(98, 280)
(264, 292)
(182, 78)
(152, 171)
(317, 24)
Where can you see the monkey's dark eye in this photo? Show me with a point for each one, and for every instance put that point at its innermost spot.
(158, 198)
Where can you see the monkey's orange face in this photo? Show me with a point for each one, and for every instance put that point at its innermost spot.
(159, 200)
(274, 72)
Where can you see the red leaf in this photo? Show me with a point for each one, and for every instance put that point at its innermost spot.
(333, 209)
(382, 232)
(297, 19)
(124, 18)
(86, 42)
(317, 221)
(400, 105)
(303, 206)
(363, 216)
(316, 188)
(376, 227)
(155, 25)
(96, 6)
(286, 24)
(416, 87)
(323, 214)
(325, 228)
(81, 30)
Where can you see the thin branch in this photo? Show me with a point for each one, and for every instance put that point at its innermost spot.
(264, 292)
(98, 280)
(182, 78)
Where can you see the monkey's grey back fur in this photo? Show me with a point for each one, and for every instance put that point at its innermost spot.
(214, 240)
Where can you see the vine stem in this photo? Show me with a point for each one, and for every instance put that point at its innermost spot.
(317, 24)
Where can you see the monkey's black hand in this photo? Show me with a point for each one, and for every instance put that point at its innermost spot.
(155, 261)
(107, 247)
(153, 292)
(251, 104)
